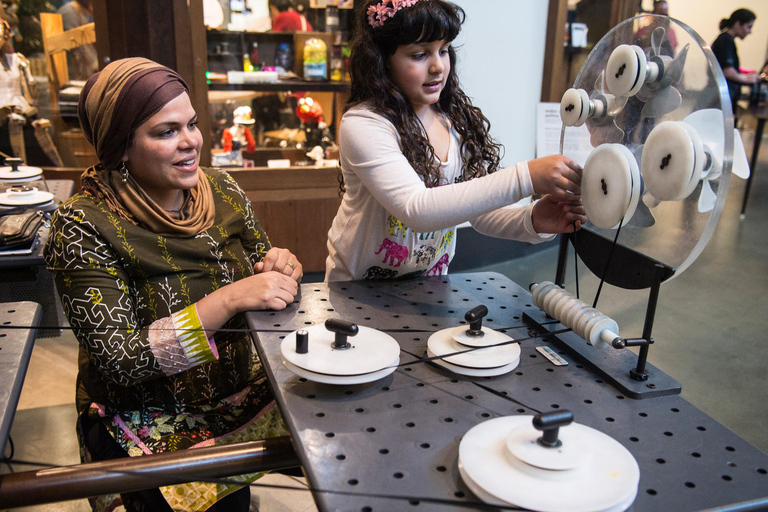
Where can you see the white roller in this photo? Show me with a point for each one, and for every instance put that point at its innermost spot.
(672, 161)
(592, 325)
(610, 185)
(574, 107)
(627, 70)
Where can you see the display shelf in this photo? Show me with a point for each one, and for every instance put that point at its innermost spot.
(284, 86)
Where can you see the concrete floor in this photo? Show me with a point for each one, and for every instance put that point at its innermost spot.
(708, 331)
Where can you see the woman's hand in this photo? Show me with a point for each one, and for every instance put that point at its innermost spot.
(552, 215)
(557, 175)
(267, 290)
(282, 261)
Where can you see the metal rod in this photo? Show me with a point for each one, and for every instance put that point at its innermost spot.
(145, 472)
(639, 373)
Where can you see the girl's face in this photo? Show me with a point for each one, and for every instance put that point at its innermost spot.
(743, 29)
(165, 152)
(420, 71)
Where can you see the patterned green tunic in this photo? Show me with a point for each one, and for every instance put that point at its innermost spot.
(129, 294)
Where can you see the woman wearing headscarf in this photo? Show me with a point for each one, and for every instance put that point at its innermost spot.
(155, 261)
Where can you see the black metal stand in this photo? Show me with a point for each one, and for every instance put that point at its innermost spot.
(626, 269)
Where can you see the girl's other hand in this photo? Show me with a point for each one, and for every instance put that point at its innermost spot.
(553, 215)
(282, 261)
(557, 175)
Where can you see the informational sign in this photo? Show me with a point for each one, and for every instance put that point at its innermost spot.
(548, 130)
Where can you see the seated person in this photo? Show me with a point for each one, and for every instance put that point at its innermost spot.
(286, 19)
(155, 262)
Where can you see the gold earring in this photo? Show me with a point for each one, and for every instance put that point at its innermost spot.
(124, 172)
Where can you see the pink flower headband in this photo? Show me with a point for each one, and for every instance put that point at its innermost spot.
(378, 14)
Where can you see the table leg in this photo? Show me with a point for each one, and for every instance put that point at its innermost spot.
(753, 162)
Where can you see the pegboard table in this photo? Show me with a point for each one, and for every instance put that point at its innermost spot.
(393, 444)
(15, 351)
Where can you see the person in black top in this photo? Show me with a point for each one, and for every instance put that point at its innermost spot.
(738, 25)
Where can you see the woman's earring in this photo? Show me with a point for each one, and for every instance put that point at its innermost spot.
(124, 172)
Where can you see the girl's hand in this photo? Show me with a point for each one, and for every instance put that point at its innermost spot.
(282, 261)
(552, 215)
(557, 175)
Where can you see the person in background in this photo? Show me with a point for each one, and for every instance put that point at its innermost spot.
(155, 261)
(285, 18)
(417, 158)
(724, 47)
(83, 60)
(643, 35)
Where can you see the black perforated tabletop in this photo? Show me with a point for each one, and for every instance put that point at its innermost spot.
(392, 445)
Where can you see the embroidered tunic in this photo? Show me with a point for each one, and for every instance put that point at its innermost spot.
(129, 294)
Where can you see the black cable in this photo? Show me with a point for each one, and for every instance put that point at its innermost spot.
(9, 458)
(575, 259)
(607, 264)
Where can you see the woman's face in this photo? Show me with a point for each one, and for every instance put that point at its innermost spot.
(420, 71)
(743, 29)
(164, 154)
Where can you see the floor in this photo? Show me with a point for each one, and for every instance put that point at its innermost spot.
(709, 333)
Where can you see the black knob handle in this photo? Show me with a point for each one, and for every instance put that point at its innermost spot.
(14, 163)
(550, 423)
(475, 319)
(302, 342)
(342, 328)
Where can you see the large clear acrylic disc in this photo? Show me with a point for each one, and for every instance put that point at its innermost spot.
(692, 90)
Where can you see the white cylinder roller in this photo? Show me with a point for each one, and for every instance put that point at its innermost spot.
(672, 161)
(592, 325)
(574, 107)
(610, 185)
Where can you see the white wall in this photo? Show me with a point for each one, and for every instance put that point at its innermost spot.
(500, 64)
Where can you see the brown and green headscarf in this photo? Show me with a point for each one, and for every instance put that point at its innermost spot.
(113, 104)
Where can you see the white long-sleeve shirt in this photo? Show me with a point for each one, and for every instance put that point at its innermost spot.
(390, 225)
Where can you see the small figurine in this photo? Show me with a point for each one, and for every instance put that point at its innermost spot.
(310, 112)
(238, 136)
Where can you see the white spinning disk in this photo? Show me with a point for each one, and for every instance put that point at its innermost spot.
(474, 372)
(672, 161)
(610, 185)
(444, 342)
(574, 107)
(626, 70)
(23, 173)
(345, 380)
(371, 351)
(26, 196)
(602, 478)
